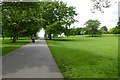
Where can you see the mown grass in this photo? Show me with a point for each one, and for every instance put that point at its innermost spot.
(8, 46)
(86, 57)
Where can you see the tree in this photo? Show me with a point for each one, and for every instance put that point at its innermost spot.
(58, 18)
(78, 31)
(20, 17)
(92, 27)
(70, 31)
(114, 30)
(104, 29)
(74, 31)
(52, 23)
(118, 26)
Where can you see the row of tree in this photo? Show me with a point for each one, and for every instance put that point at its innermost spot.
(92, 28)
(27, 18)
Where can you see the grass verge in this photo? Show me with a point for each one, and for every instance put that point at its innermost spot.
(8, 46)
(86, 57)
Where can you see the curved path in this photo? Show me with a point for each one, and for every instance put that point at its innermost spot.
(30, 61)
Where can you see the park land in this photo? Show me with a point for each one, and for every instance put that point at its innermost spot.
(79, 56)
(86, 57)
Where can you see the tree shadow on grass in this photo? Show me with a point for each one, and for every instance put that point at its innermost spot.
(18, 42)
(22, 39)
(63, 39)
(71, 40)
(94, 36)
(24, 42)
(8, 49)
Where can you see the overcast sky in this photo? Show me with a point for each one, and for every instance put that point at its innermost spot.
(109, 18)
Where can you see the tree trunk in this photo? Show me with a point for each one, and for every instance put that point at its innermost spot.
(45, 35)
(92, 35)
(14, 39)
(14, 36)
(74, 35)
(50, 37)
(3, 36)
(10, 37)
(17, 37)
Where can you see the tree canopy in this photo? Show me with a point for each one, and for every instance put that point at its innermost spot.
(92, 27)
(104, 29)
(116, 30)
(19, 18)
(26, 18)
(58, 18)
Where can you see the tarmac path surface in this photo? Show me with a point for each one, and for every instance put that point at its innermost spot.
(33, 60)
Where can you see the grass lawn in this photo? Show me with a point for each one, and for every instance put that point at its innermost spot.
(86, 57)
(8, 46)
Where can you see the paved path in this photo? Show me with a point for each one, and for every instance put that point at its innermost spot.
(31, 61)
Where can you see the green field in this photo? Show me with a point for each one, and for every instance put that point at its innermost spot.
(86, 57)
(8, 46)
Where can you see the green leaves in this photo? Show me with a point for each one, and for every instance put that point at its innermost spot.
(57, 17)
(29, 17)
(104, 29)
(20, 18)
(92, 27)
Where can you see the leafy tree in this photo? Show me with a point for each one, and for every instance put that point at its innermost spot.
(68, 32)
(72, 31)
(92, 27)
(114, 30)
(24, 18)
(20, 17)
(58, 18)
(51, 20)
(118, 26)
(78, 31)
(104, 29)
